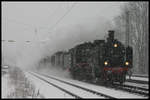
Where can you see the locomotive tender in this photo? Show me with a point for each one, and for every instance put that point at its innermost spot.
(105, 61)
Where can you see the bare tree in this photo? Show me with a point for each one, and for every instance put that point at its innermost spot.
(138, 24)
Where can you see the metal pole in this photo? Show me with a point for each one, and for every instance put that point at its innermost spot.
(127, 29)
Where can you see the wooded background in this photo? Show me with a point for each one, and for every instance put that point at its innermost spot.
(138, 16)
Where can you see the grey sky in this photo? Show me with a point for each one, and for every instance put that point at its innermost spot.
(86, 21)
(20, 18)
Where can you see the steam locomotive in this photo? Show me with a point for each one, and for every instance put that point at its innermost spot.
(101, 60)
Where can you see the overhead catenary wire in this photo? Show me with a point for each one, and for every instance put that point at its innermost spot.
(57, 22)
(31, 26)
(61, 18)
(35, 29)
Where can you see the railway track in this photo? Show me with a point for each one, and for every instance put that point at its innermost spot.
(132, 89)
(144, 76)
(137, 81)
(128, 88)
(86, 90)
(97, 94)
(74, 95)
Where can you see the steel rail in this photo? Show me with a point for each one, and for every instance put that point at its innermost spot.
(68, 92)
(83, 88)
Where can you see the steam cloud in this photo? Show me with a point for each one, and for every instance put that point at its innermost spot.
(62, 38)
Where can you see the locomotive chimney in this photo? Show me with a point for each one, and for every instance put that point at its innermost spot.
(110, 35)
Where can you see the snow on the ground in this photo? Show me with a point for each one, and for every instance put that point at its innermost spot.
(15, 85)
(138, 78)
(47, 90)
(80, 92)
(5, 88)
(101, 89)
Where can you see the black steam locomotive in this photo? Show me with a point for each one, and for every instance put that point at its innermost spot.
(101, 60)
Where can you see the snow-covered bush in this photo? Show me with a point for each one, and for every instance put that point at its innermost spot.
(20, 86)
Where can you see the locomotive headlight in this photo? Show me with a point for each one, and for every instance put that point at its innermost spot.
(115, 45)
(126, 63)
(106, 63)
